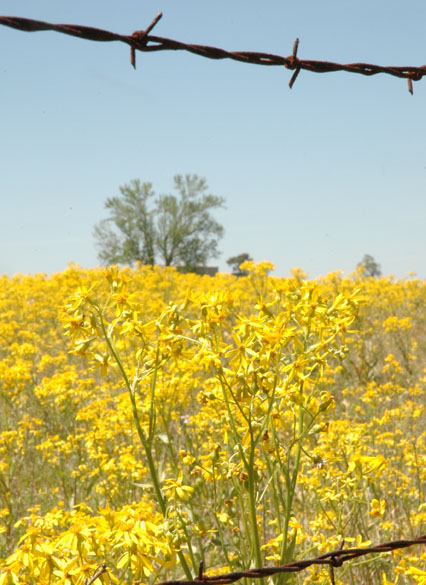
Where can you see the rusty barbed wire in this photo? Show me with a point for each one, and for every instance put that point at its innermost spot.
(333, 559)
(142, 41)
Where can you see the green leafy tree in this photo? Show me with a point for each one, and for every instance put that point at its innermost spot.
(178, 229)
(236, 261)
(369, 266)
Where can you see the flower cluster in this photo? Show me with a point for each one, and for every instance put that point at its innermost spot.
(153, 419)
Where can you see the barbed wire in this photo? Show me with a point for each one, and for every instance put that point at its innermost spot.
(142, 41)
(332, 559)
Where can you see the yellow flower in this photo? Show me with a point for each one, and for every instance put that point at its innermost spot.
(81, 296)
(74, 537)
(175, 489)
(385, 580)
(378, 508)
(103, 362)
(8, 577)
(65, 571)
(418, 574)
(366, 464)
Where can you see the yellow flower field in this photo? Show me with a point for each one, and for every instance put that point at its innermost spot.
(151, 419)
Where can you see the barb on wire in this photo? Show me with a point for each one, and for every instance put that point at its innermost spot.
(99, 571)
(141, 40)
(333, 559)
(331, 566)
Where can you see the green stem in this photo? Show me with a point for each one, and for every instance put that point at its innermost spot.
(236, 436)
(252, 500)
(188, 540)
(291, 486)
(243, 516)
(146, 443)
(275, 496)
(219, 527)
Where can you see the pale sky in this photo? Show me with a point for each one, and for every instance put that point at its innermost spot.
(314, 177)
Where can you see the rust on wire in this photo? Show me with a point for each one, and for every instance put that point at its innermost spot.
(331, 566)
(142, 37)
(294, 64)
(142, 41)
(333, 559)
(99, 571)
(200, 571)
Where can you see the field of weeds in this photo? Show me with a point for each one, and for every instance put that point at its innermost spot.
(151, 420)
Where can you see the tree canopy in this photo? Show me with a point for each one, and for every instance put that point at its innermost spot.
(177, 229)
(369, 266)
(236, 261)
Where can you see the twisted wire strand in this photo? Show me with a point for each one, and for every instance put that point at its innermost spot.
(142, 41)
(333, 559)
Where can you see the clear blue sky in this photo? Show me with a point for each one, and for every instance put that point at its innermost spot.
(313, 177)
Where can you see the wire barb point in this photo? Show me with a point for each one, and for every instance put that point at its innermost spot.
(293, 78)
(294, 63)
(154, 22)
(295, 47)
(200, 570)
(141, 37)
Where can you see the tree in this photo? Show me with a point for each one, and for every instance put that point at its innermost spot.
(134, 221)
(236, 261)
(180, 228)
(369, 266)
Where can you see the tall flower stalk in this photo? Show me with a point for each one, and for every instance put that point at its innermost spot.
(255, 375)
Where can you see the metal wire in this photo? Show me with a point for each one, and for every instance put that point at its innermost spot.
(141, 40)
(333, 559)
